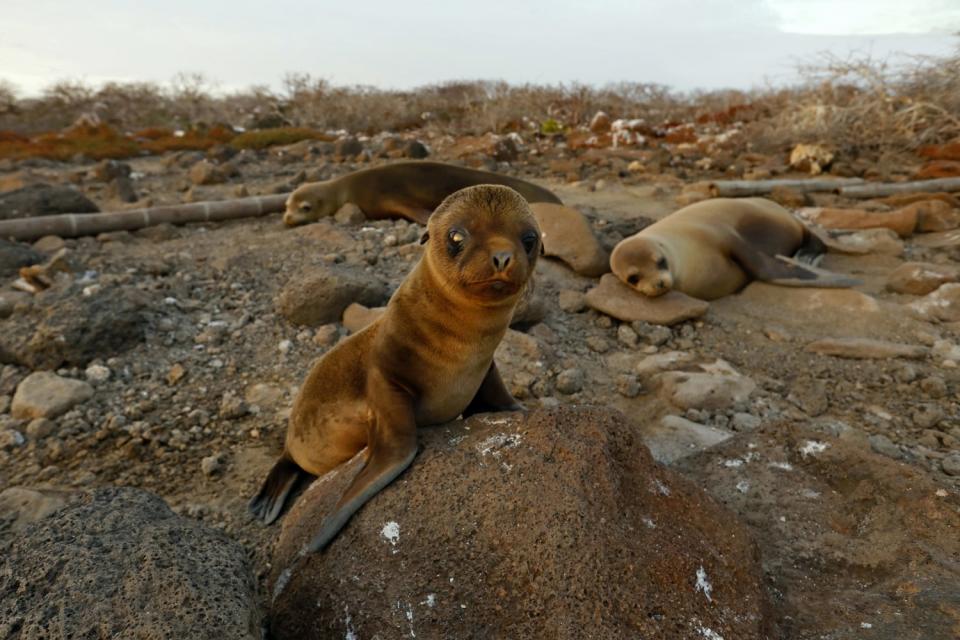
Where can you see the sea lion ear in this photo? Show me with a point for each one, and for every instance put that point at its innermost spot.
(425, 237)
(543, 251)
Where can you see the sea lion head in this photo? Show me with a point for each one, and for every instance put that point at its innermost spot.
(483, 243)
(309, 203)
(643, 264)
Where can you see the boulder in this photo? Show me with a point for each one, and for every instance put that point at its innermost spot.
(206, 172)
(43, 394)
(616, 299)
(321, 296)
(522, 526)
(567, 235)
(117, 562)
(858, 545)
(356, 316)
(64, 326)
(865, 349)
(21, 506)
(43, 200)
(920, 278)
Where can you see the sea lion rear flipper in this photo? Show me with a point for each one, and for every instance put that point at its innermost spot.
(786, 271)
(392, 446)
(268, 503)
(492, 395)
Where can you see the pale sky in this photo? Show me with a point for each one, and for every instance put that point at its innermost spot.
(686, 44)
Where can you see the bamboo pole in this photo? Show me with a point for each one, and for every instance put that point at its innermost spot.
(72, 225)
(881, 189)
(735, 188)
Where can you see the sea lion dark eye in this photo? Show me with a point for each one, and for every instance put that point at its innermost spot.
(662, 263)
(529, 241)
(455, 239)
(304, 206)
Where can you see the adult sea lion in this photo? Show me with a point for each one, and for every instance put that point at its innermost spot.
(409, 190)
(713, 248)
(425, 361)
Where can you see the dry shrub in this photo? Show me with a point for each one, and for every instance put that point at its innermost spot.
(97, 142)
(863, 104)
(278, 136)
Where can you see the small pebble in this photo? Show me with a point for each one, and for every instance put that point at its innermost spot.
(97, 373)
(570, 381)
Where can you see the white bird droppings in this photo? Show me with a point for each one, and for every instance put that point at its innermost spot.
(703, 584)
(391, 532)
(813, 447)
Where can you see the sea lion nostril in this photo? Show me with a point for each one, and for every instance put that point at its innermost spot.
(501, 259)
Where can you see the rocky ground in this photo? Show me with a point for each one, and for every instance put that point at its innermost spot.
(828, 421)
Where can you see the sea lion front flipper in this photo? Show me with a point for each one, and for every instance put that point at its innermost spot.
(785, 271)
(392, 446)
(492, 395)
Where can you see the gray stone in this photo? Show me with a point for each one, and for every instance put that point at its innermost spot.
(744, 422)
(212, 465)
(951, 464)
(14, 255)
(572, 301)
(20, 506)
(232, 406)
(675, 438)
(942, 305)
(43, 200)
(11, 439)
(716, 388)
(119, 563)
(921, 278)
(43, 394)
(865, 349)
(350, 214)
(570, 381)
(40, 428)
(321, 296)
(661, 362)
(884, 446)
(616, 299)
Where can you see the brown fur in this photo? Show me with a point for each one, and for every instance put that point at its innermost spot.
(409, 190)
(713, 248)
(426, 360)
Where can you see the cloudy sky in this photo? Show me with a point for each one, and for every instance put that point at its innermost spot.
(686, 44)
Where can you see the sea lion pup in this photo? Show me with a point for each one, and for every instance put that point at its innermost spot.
(409, 190)
(425, 361)
(715, 247)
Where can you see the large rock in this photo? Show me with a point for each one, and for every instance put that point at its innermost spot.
(567, 235)
(865, 349)
(902, 221)
(118, 563)
(43, 394)
(920, 278)
(21, 506)
(319, 297)
(616, 299)
(942, 305)
(63, 326)
(14, 255)
(856, 545)
(675, 438)
(43, 200)
(934, 215)
(512, 526)
(879, 241)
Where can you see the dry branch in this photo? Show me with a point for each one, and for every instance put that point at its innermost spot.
(72, 225)
(734, 188)
(878, 190)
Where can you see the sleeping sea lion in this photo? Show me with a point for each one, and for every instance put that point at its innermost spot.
(409, 190)
(715, 247)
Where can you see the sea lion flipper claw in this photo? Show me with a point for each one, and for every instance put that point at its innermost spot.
(392, 443)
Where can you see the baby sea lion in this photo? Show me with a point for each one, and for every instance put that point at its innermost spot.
(425, 361)
(400, 190)
(714, 248)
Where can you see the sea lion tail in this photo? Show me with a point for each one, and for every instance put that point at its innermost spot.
(268, 503)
